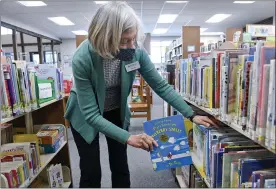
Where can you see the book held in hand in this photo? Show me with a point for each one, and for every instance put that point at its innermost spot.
(173, 146)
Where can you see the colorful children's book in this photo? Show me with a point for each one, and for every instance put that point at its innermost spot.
(230, 157)
(247, 166)
(173, 146)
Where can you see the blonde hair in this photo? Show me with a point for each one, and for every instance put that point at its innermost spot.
(109, 23)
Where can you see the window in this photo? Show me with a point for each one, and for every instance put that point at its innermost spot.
(158, 50)
(48, 57)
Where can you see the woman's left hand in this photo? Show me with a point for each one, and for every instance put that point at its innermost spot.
(205, 121)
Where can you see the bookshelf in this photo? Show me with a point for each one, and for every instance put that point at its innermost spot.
(208, 97)
(54, 110)
(231, 124)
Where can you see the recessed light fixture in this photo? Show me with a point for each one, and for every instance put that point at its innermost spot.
(177, 1)
(203, 29)
(101, 2)
(217, 18)
(32, 3)
(167, 18)
(63, 21)
(244, 2)
(80, 32)
(5, 31)
(160, 30)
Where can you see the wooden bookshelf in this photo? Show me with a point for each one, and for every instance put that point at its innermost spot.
(51, 112)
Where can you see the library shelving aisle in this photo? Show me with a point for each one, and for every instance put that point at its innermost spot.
(235, 85)
(51, 112)
(34, 142)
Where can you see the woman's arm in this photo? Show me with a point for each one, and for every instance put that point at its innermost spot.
(161, 87)
(88, 104)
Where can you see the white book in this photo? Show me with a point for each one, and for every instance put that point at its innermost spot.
(255, 87)
(271, 102)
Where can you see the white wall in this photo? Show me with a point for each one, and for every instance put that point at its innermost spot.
(67, 49)
(209, 39)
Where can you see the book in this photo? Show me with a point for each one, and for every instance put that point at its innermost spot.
(247, 166)
(173, 145)
(235, 156)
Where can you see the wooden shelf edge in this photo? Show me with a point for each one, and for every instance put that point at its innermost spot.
(232, 125)
(5, 120)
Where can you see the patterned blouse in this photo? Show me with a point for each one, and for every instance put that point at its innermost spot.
(112, 77)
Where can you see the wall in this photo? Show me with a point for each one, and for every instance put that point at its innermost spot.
(67, 49)
(209, 39)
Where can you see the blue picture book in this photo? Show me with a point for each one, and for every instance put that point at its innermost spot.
(248, 166)
(173, 146)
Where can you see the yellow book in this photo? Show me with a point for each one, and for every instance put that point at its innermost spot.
(205, 87)
(29, 138)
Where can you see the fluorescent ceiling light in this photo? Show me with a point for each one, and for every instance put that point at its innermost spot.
(217, 18)
(63, 21)
(5, 31)
(80, 32)
(176, 1)
(101, 2)
(32, 3)
(212, 33)
(167, 18)
(160, 30)
(203, 29)
(244, 2)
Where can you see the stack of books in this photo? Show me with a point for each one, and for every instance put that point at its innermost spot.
(25, 86)
(51, 137)
(19, 162)
(237, 85)
(229, 159)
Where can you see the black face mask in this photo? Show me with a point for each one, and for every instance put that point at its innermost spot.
(126, 54)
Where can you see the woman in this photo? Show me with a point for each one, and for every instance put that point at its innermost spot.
(104, 68)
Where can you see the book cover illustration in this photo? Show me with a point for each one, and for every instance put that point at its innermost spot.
(173, 146)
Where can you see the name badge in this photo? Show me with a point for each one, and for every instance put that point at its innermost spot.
(133, 66)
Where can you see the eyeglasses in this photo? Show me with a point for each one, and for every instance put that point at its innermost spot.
(129, 42)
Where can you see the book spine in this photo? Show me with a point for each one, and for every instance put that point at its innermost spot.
(218, 82)
(271, 102)
(272, 131)
(224, 92)
(237, 101)
(263, 108)
(246, 83)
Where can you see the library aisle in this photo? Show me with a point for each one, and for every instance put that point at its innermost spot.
(212, 61)
(142, 175)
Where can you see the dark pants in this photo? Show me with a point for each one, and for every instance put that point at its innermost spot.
(90, 158)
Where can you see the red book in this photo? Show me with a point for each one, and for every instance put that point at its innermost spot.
(8, 93)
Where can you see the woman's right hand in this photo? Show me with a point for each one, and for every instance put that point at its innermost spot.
(143, 141)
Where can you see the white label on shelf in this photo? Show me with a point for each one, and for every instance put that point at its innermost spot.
(45, 90)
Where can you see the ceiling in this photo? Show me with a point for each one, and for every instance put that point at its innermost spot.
(194, 13)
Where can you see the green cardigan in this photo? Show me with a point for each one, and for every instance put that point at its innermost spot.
(85, 105)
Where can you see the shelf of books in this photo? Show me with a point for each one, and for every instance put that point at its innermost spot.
(237, 87)
(34, 148)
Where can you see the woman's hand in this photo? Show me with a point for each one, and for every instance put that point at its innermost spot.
(205, 121)
(143, 141)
